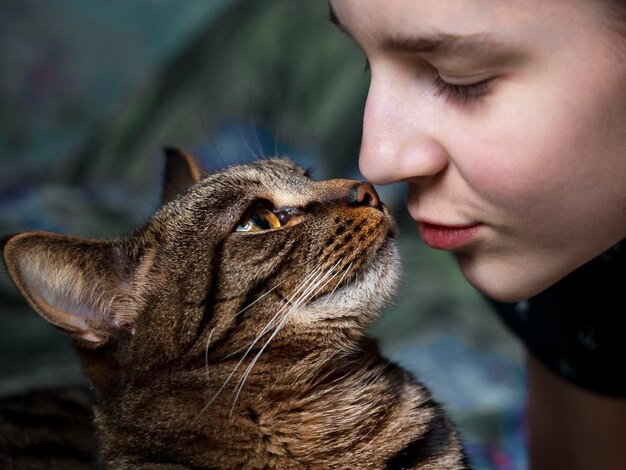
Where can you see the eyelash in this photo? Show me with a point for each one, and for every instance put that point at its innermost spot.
(462, 94)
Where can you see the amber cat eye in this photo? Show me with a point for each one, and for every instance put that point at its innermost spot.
(258, 220)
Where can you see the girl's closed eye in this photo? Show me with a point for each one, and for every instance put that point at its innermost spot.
(461, 93)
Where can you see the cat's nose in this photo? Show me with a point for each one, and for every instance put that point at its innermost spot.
(364, 194)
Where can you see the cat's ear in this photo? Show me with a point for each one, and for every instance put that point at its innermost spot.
(75, 284)
(181, 171)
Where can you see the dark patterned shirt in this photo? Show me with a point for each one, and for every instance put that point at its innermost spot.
(577, 327)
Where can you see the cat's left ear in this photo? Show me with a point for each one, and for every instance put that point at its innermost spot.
(83, 287)
(181, 172)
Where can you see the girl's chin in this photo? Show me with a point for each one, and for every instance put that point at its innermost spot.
(501, 281)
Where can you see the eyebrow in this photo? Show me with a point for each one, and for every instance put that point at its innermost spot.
(445, 44)
(440, 43)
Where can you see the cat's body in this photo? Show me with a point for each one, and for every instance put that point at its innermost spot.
(47, 429)
(228, 332)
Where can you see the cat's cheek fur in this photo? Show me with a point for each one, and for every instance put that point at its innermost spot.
(362, 299)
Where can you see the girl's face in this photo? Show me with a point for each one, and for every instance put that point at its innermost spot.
(507, 119)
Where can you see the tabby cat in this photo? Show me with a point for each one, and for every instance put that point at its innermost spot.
(228, 331)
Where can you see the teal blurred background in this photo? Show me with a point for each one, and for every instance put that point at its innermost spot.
(90, 92)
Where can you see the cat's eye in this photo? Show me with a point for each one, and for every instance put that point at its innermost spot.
(258, 220)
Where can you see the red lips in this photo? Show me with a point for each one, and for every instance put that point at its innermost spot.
(442, 237)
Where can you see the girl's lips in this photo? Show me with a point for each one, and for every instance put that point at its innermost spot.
(443, 237)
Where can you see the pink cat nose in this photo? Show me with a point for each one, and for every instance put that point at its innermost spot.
(364, 194)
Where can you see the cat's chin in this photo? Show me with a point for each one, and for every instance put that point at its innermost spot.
(364, 295)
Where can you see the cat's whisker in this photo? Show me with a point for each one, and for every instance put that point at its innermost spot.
(250, 151)
(237, 351)
(294, 306)
(211, 142)
(347, 270)
(314, 273)
(257, 139)
(317, 282)
(259, 298)
(206, 355)
(230, 376)
(290, 301)
(269, 325)
(311, 291)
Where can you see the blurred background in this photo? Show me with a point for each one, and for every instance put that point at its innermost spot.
(90, 92)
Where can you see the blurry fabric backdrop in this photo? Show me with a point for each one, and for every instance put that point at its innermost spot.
(91, 90)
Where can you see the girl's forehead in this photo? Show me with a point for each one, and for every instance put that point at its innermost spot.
(377, 21)
(468, 14)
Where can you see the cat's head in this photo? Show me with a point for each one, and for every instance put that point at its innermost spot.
(254, 253)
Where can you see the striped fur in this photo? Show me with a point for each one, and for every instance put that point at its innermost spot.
(47, 429)
(211, 348)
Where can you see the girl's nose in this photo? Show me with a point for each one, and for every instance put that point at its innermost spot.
(399, 139)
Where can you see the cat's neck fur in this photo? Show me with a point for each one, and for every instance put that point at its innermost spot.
(266, 417)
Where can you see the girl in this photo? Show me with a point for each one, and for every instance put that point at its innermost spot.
(507, 119)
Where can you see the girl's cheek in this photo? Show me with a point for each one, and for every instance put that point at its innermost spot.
(500, 173)
(510, 159)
